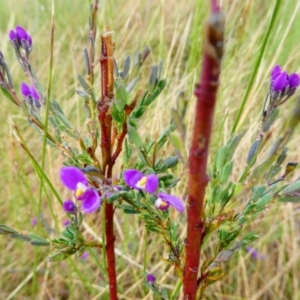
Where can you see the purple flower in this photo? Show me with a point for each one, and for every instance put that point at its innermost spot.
(84, 255)
(280, 82)
(69, 207)
(76, 181)
(150, 278)
(255, 254)
(66, 223)
(19, 37)
(30, 94)
(137, 180)
(164, 201)
(294, 81)
(275, 72)
(33, 222)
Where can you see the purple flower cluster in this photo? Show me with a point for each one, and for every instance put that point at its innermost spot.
(76, 181)
(30, 94)
(284, 83)
(149, 183)
(20, 38)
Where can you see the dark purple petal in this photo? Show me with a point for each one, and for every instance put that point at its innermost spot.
(280, 82)
(34, 93)
(21, 33)
(275, 70)
(69, 206)
(25, 90)
(273, 77)
(12, 35)
(91, 201)
(150, 278)
(71, 176)
(131, 177)
(152, 183)
(294, 80)
(172, 200)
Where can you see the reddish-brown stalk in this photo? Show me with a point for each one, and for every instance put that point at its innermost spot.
(105, 119)
(206, 92)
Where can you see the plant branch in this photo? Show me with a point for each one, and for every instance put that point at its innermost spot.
(205, 92)
(105, 119)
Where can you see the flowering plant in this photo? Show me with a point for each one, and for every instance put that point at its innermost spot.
(139, 182)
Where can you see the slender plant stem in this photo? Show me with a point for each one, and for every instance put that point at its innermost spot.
(105, 119)
(205, 92)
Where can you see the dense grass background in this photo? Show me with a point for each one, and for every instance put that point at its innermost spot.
(173, 30)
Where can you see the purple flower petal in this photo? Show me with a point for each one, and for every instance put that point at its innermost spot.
(172, 200)
(294, 80)
(66, 222)
(280, 82)
(91, 201)
(21, 33)
(84, 255)
(12, 35)
(34, 93)
(25, 90)
(150, 278)
(151, 183)
(69, 207)
(255, 254)
(275, 70)
(71, 176)
(132, 177)
(33, 222)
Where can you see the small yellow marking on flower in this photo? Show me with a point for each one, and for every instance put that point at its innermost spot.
(80, 189)
(142, 183)
(160, 203)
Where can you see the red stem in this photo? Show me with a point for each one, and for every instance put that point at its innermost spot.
(206, 98)
(105, 119)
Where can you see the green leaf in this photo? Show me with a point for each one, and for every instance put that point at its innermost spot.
(117, 115)
(39, 243)
(226, 171)
(84, 84)
(289, 199)
(134, 136)
(36, 237)
(130, 211)
(121, 98)
(7, 229)
(292, 187)
(270, 120)
(170, 162)
(20, 237)
(262, 202)
(252, 152)
(221, 159)
(161, 84)
(249, 237)
(7, 94)
(151, 97)
(169, 183)
(137, 113)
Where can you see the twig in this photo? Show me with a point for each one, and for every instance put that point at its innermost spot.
(198, 179)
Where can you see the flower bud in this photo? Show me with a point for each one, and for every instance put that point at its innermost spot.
(69, 207)
(280, 82)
